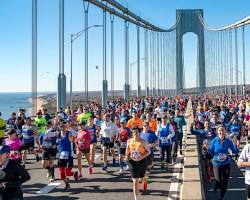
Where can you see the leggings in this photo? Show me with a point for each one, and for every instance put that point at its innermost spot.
(168, 150)
(221, 174)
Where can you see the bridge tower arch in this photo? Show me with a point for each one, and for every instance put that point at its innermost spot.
(189, 21)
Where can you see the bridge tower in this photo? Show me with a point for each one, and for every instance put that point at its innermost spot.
(190, 22)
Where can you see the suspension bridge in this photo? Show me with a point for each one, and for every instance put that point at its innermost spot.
(221, 69)
(218, 64)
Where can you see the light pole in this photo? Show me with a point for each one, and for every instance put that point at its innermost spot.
(73, 37)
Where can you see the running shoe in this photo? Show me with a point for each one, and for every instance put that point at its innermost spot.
(127, 168)
(105, 168)
(79, 177)
(66, 188)
(90, 170)
(76, 176)
(37, 158)
(52, 179)
(120, 172)
(47, 175)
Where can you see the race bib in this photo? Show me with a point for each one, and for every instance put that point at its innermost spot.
(47, 144)
(135, 154)
(92, 137)
(164, 140)
(81, 144)
(221, 157)
(64, 155)
(123, 144)
(235, 133)
(26, 137)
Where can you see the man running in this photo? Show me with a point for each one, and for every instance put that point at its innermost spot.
(108, 132)
(121, 140)
(48, 142)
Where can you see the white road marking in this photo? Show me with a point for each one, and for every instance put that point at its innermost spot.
(173, 190)
(230, 189)
(51, 186)
(97, 155)
(48, 188)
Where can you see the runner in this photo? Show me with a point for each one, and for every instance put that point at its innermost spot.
(93, 130)
(82, 142)
(136, 154)
(28, 139)
(244, 161)
(84, 116)
(165, 133)
(135, 120)
(40, 124)
(235, 129)
(14, 144)
(221, 163)
(65, 155)
(180, 121)
(11, 121)
(121, 140)
(152, 140)
(108, 133)
(152, 122)
(48, 142)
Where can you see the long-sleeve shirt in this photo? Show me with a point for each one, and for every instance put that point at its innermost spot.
(220, 151)
(15, 176)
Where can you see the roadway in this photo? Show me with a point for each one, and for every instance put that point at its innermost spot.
(102, 185)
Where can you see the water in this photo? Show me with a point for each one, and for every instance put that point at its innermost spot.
(11, 102)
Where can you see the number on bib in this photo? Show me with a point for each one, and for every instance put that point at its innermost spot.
(64, 155)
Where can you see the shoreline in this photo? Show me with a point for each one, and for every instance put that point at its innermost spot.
(41, 102)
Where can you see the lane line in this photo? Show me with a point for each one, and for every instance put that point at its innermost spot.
(231, 189)
(48, 188)
(173, 190)
(51, 186)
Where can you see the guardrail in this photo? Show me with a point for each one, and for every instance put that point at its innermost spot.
(192, 187)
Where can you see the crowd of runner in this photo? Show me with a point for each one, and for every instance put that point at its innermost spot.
(128, 132)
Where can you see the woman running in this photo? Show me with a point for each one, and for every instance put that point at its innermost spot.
(93, 129)
(221, 163)
(136, 154)
(83, 148)
(14, 144)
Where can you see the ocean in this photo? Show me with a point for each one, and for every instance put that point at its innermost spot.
(11, 102)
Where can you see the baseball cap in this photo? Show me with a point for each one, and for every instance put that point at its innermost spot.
(123, 121)
(4, 149)
(134, 111)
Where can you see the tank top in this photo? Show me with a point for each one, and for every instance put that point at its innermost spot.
(83, 139)
(136, 149)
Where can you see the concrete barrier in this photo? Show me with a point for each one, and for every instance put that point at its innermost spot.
(192, 187)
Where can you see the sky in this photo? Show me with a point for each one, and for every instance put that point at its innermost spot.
(15, 40)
